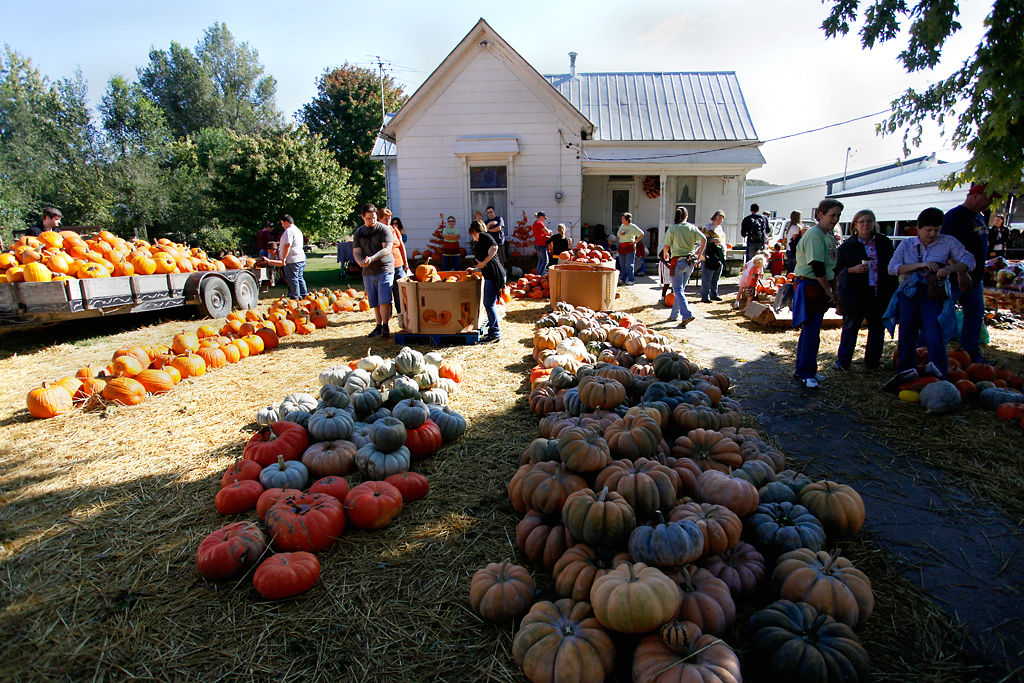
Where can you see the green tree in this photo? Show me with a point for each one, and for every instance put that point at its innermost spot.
(346, 112)
(177, 82)
(982, 96)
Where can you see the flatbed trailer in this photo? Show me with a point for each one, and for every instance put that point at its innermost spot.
(214, 293)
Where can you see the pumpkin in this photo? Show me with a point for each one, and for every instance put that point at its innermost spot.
(563, 641)
(451, 423)
(501, 591)
(334, 375)
(672, 365)
(576, 569)
(794, 642)
(267, 416)
(291, 474)
(604, 519)
(666, 544)
(373, 504)
(1010, 412)
(333, 396)
(940, 397)
(311, 522)
(829, 583)
(411, 412)
(240, 496)
(213, 357)
(704, 600)
(646, 484)
(736, 494)
(540, 449)
(719, 526)
(301, 402)
(409, 362)
(155, 381)
(781, 527)
(634, 598)
(241, 469)
(286, 575)
(189, 365)
(424, 441)
(280, 438)
(230, 551)
(757, 472)
(542, 540)
(709, 449)
(328, 458)
(794, 480)
(337, 487)
(90, 388)
(411, 485)
(992, 397)
(546, 486)
(184, 342)
(601, 392)
(742, 568)
(329, 424)
(452, 370)
(48, 400)
(124, 391)
(776, 492)
(366, 401)
(667, 658)
(689, 417)
(126, 366)
(634, 437)
(377, 464)
(838, 507)
(581, 450)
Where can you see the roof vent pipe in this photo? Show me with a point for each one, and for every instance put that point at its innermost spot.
(572, 65)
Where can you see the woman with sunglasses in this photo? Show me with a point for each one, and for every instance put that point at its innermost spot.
(450, 236)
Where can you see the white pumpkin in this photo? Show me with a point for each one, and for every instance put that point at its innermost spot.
(384, 371)
(433, 358)
(336, 374)
(267, 416)
(301, 402)
(369, 363)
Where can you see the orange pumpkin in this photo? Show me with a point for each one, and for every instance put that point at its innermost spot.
(155, 381)
(452, 370)
(173, 372)
(124, 391)
(127, 366)
(183, 342)
(213, 357)
(427, 273)
(189, 365)
(231, 353)
(88, 389)
(243, 348)
(284, 327)
(254, 343)
(364, 305)
(269, 337)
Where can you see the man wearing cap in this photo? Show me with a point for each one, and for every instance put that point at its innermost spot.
(540, 242)
(969, 227)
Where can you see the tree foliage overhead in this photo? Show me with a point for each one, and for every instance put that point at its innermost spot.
(982, 97)
(347, 113)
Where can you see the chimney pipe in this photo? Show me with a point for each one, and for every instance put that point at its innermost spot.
(572, 65)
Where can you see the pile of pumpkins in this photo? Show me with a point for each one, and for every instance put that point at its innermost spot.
(656, 514)
(292, 473)
(66, 254)
(531, 286)
(583, 252)
(987, 386)
(136, 371)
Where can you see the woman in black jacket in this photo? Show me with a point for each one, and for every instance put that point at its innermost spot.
(865, 288)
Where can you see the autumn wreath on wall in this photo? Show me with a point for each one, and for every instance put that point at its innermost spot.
(652, 187)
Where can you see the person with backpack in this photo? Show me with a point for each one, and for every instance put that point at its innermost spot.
(754, 229)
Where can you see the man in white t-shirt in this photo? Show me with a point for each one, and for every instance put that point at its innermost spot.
(291, 257)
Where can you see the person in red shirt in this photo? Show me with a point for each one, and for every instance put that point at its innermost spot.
(540, 242)
(777, 261)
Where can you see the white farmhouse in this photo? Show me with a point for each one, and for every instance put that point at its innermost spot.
(486, 128)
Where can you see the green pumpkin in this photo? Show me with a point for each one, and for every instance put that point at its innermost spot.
(366, 401)
(666, 544)
(560, 378)
(451, 424)
(411, 412)
(284, 475)
(776, 528)
(384, 371)
(377, 415)
(377, 465)
(329, 424)
(672, 365)
(388, 434)
(541, 450)
(409, 362)
(400, 388)
(333, 396)
(775, 492)
(757, 472)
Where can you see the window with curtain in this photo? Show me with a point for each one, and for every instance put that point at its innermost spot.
(488, 186)
(686, 196)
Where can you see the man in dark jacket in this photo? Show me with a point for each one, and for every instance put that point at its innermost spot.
(754, 229)
(51, 221)
(967, 224)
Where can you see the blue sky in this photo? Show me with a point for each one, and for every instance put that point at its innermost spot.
(792, 78)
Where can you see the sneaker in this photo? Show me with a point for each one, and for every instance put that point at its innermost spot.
(716, 298)
(385, 331)
(705, 301)
(898, 380)
(820, 377)
(490, 339)
(672, 320)
(687, 321)
(933, 370)
(376, 332)
(811, 383)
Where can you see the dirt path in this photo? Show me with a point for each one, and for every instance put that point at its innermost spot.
(961, 551)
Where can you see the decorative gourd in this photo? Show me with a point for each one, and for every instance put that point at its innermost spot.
(666, 544)
(838, 507)
(303, 402)
(575, 571)
(501, 591)
(378, 465)
(562, 641)
(604, 519)
(411, 412)
(794, 642)
(581, 450)
(742, 568)
(409, 362)
(230, 551)
(330, 458)
(829, 583)
(366, 401)
(312, 522)
(781, 527)
(411, 485)
(940, 398)
(543, 540)
(284, 475)
(373, 504)
(646, 484)
(329, 424)
(736, 494)
(719, 526)
(634, 598)
(694, 657)
(388, 434)
(286, 575)
(709, 449)
(240, 496)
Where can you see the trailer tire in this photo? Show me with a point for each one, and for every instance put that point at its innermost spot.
(246, 291)
(214, 297)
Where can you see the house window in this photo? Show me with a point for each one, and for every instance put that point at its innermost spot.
(488, 186)
(686, 196)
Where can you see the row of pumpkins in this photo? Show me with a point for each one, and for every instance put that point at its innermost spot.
(136, 371)
(656, 514)
(64, 255)
(353, 427)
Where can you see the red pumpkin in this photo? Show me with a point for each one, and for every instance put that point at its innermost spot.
(424, 441)
(1011, 412)
(311, 521)
(412, 485)
(239, 496)
(281, 438)
(229, 551)
(286, 574)
(242, 469)
(332, 486)
(452, 370)
(270, 497)
(373, 504)
(981, 372)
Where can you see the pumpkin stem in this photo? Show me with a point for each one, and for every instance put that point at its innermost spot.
(831, 560)
(661, 517)
(603, 495)
(280, 462)
(632, 573)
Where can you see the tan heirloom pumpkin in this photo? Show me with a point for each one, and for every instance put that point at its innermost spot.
(634, 598)
(501, 591)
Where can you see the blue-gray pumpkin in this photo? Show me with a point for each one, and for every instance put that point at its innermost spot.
(666, 544)
(360, 434)
(298, 417)
(376, 464)
(357, 380)
(284, 475)
(573, 404)
(400, 388)
(366, 401)
(329, 424)
(411, 412)
(334, 396)
(388, 434)
(451, 424)
(335, 375)
(780, 527)
(776, 492)
(377, 415)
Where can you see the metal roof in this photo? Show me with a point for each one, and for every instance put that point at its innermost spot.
(683, 106)
(930, 175)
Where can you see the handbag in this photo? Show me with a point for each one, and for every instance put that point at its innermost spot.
(934, 290)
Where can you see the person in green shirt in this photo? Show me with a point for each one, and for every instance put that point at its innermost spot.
(815, 270)
(683, 246)
(628, 237)
(450, 237)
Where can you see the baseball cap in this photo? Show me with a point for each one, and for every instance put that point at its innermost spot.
(541, 213)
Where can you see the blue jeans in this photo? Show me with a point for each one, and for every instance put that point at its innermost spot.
(807, 346)
(973, 302)
(293, 278)
(400, 272)
(542, 258)
(627, 267)
(491, 291)
(709, 281)
(378, 288)
(917, 315)
(679, 280)
(450, 261)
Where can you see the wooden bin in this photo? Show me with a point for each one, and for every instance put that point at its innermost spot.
(583, 285)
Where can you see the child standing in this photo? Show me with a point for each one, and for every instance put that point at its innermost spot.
(777, 261)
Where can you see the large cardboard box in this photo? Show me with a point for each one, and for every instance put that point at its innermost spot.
(441, 307)
(583, 285)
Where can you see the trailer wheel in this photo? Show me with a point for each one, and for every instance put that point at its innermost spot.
(246, 292)
(215, 297)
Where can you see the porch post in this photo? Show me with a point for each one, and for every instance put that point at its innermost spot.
(661, 211)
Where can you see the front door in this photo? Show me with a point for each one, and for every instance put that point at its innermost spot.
(621, 201)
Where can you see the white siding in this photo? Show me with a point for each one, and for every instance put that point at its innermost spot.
(903, 204)
(485, 97)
